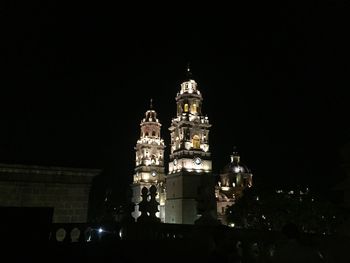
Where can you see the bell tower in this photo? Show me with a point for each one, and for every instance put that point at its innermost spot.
(190, 160)
(149, 167)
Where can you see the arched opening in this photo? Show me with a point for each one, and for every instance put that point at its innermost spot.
(153, 159)
(153, 133)
(186, 107)
(194, 108)
(196, 142)
(179, 109)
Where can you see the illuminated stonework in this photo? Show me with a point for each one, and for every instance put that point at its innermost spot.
(189, 154)
(149, 160)
(189, 177)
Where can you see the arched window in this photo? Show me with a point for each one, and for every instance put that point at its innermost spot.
(146, 134)
(186, 107)
(153, 133)
(194, 108)
(153, 159)
(179, 109)
(196, 142)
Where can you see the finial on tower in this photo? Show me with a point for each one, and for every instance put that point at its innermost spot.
(235, 149)
(235, 157)
(151, 104)
(188, 71)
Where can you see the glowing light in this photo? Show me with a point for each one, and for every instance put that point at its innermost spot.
(237, 169)
(186, 107)
(231, 224)
(225, 188)
(100, 230)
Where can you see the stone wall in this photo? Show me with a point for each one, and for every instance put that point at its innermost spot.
(66, 190)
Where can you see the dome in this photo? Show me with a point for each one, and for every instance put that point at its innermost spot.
(236, 166)
(150, 116)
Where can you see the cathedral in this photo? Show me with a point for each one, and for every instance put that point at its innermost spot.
(190, 165)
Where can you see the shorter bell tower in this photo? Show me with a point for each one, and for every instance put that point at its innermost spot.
(149, 162)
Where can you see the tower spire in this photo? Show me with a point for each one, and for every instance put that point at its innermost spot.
(188, 71)
(151, 104)
(235, 149)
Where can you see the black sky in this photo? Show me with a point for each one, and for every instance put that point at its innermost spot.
(77, 79)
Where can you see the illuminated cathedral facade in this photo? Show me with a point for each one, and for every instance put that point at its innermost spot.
(189, 164)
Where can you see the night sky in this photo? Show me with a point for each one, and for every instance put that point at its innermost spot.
(76, 80)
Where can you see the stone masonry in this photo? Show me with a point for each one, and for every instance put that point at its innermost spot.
(66, 190)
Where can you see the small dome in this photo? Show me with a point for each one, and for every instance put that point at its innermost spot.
(150, 116)
(236, 166)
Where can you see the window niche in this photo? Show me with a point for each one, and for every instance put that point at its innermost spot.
(186, 107)
(196, 142)
(194, 108)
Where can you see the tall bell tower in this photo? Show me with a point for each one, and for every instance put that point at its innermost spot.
(189, 154)
(149, 168)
